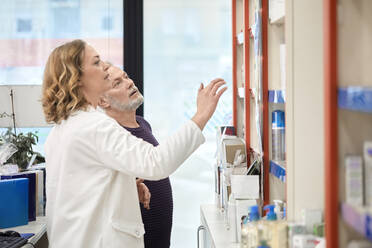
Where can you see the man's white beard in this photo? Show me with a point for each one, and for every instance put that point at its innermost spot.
(131, 106)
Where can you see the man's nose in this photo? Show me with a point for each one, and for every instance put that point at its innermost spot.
(131, 83)
(106, 66)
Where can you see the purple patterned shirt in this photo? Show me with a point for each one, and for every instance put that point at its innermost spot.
(157, 220)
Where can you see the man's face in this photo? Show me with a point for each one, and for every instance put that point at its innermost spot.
(123, 95)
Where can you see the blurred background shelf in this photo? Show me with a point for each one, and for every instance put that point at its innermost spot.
(277, 170)
(277, 96)
(359, 219)
(355, 98)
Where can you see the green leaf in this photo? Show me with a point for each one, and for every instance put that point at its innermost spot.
(24, 144)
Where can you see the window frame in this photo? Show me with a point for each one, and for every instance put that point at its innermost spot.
(133, 44)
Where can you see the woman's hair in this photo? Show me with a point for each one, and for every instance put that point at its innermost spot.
(61, 91)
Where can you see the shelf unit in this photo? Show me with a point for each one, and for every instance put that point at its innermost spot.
(244, 110)
(276, 90)
(244, 113)
(265, 112)
(240, 55)
(348, 108)
(304, 107)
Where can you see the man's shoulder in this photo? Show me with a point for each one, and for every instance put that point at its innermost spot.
(142, 121)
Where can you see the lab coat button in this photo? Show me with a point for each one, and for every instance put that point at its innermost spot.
(137, 233)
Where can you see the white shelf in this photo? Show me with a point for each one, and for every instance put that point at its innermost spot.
(213, 220)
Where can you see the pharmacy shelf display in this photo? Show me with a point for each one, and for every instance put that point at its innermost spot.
(276, 96)
(277, 170)
(355, 98)
(250, 97)
(358, 218)
(348, 118)
(276, 99)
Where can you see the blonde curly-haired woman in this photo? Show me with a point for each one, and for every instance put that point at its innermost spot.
(92, 162)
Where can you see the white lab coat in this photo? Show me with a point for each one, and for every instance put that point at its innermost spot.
(92, 164)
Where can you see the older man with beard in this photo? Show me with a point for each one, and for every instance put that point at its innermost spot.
(121, 104)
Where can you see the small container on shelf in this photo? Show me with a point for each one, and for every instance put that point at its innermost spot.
(278, 135)
(354, 180)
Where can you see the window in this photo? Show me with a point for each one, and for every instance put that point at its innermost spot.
(31, 29)
(24, 25)
(65, 20)
(107, 23)
(185, 43)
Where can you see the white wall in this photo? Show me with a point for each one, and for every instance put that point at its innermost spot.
(27, 106)
(305, 106)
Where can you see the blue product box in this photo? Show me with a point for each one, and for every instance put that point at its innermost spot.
(14, 202)
(31, 176)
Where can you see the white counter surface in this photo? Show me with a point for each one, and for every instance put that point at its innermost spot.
(37, 227)
(213, 220)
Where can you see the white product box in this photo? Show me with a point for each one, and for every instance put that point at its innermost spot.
(295, 229)
(354, 180)
(310, 217)
(305, 241)
(245, 186)
(230, 145)
(242, 207)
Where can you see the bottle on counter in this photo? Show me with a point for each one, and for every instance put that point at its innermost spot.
(249, 229)
(252, 226)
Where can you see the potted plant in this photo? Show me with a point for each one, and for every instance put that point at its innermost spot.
(24, 143)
